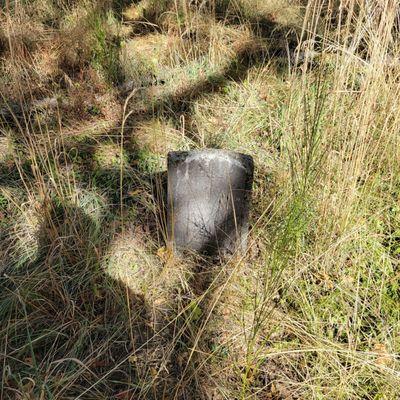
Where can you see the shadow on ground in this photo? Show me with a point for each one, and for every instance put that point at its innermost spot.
(105, 326)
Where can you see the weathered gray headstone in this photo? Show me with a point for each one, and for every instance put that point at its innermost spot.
(208, 200)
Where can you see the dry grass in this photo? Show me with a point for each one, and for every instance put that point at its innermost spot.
(93, 95)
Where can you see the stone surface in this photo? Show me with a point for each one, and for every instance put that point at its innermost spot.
(208, 200)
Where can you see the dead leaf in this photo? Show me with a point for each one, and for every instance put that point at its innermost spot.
(29, 361)
(123, 395)
(166, 254)
(383, 358)
(132, 359)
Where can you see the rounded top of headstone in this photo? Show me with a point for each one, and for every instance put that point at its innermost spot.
(208, 200)
(239, 159)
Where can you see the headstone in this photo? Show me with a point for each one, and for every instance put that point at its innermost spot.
(208, 200)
